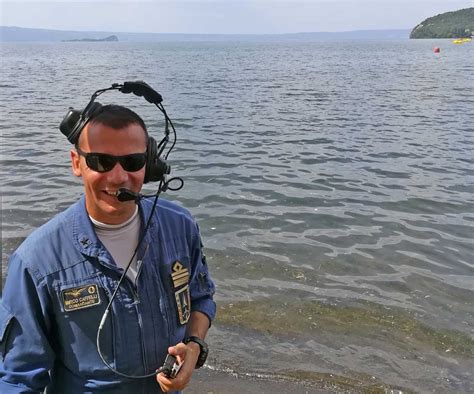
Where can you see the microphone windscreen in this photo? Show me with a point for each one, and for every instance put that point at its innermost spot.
(127, 195)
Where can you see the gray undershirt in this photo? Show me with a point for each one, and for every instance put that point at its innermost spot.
(121, 240)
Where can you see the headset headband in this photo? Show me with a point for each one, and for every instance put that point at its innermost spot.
(74, 121)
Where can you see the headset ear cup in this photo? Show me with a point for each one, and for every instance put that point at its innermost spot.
(151, 149)
(92, 109)
(156, 168)
(69, 123)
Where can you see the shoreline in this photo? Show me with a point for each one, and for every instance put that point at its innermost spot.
(211, 381)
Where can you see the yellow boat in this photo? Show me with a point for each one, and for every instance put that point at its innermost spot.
(461, 40)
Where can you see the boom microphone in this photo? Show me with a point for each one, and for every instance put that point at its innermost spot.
(127, 195)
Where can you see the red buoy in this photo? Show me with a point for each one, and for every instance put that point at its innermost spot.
(436, 50)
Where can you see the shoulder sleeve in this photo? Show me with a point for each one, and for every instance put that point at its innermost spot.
(201, 284)
(26, 353)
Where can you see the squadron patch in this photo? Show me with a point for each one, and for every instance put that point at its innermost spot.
(80, 297)
(180, 277)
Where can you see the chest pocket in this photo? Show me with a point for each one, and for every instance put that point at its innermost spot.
(79, 307)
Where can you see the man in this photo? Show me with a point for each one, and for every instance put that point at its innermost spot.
(61, 279)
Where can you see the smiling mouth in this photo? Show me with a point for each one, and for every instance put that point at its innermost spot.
(109, 193)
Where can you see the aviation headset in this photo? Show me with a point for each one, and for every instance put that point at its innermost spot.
(73, 123)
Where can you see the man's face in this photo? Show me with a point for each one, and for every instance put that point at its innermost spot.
(100, 188)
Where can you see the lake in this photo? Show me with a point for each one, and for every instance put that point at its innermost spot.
(333, 182)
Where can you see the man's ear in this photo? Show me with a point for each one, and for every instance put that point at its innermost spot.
(76, 163)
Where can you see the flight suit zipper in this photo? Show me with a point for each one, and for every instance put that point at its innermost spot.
(162, 294)
(136, 298)
(136, 302)
(108, 295)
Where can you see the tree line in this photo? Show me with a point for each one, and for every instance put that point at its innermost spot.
(456, 24)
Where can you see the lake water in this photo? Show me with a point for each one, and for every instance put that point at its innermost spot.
(333, 182)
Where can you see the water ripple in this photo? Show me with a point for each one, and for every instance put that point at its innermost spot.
(344, 177)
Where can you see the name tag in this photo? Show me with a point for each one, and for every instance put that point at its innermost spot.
(80, 297)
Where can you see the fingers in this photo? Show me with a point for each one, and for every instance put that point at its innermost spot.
(187, 355)
(164, 382)
(177, 384)
(178, 350)
(182, 378)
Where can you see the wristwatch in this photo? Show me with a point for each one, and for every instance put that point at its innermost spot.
(204, 349)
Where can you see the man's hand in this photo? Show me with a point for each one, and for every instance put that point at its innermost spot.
(186, 354)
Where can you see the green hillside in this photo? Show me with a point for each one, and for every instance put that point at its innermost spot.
(456, 24)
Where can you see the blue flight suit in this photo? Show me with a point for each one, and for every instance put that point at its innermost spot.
(59, 283)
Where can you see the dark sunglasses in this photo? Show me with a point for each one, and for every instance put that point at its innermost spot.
(102, 162)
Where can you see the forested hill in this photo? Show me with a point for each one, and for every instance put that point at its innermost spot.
(456, 24)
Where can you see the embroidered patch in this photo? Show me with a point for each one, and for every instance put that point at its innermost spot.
(183, 301)
(80, 297)
(180, 277)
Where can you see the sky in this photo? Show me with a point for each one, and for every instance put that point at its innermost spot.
(223, 16)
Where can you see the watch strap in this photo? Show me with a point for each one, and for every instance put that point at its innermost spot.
(203, 347)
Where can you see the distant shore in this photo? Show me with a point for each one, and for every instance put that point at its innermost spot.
(106, 39)
(23, 34)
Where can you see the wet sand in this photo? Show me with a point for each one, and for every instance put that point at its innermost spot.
(216, 382)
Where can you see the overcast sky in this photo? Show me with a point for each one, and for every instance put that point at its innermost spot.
(223, 16)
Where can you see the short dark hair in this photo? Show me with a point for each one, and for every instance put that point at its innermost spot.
(118, 117)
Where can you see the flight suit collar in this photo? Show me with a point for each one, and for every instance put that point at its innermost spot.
(85, 238)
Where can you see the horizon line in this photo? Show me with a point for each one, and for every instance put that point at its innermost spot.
(210, 34)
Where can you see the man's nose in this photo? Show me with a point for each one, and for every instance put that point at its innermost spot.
(117, 174)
